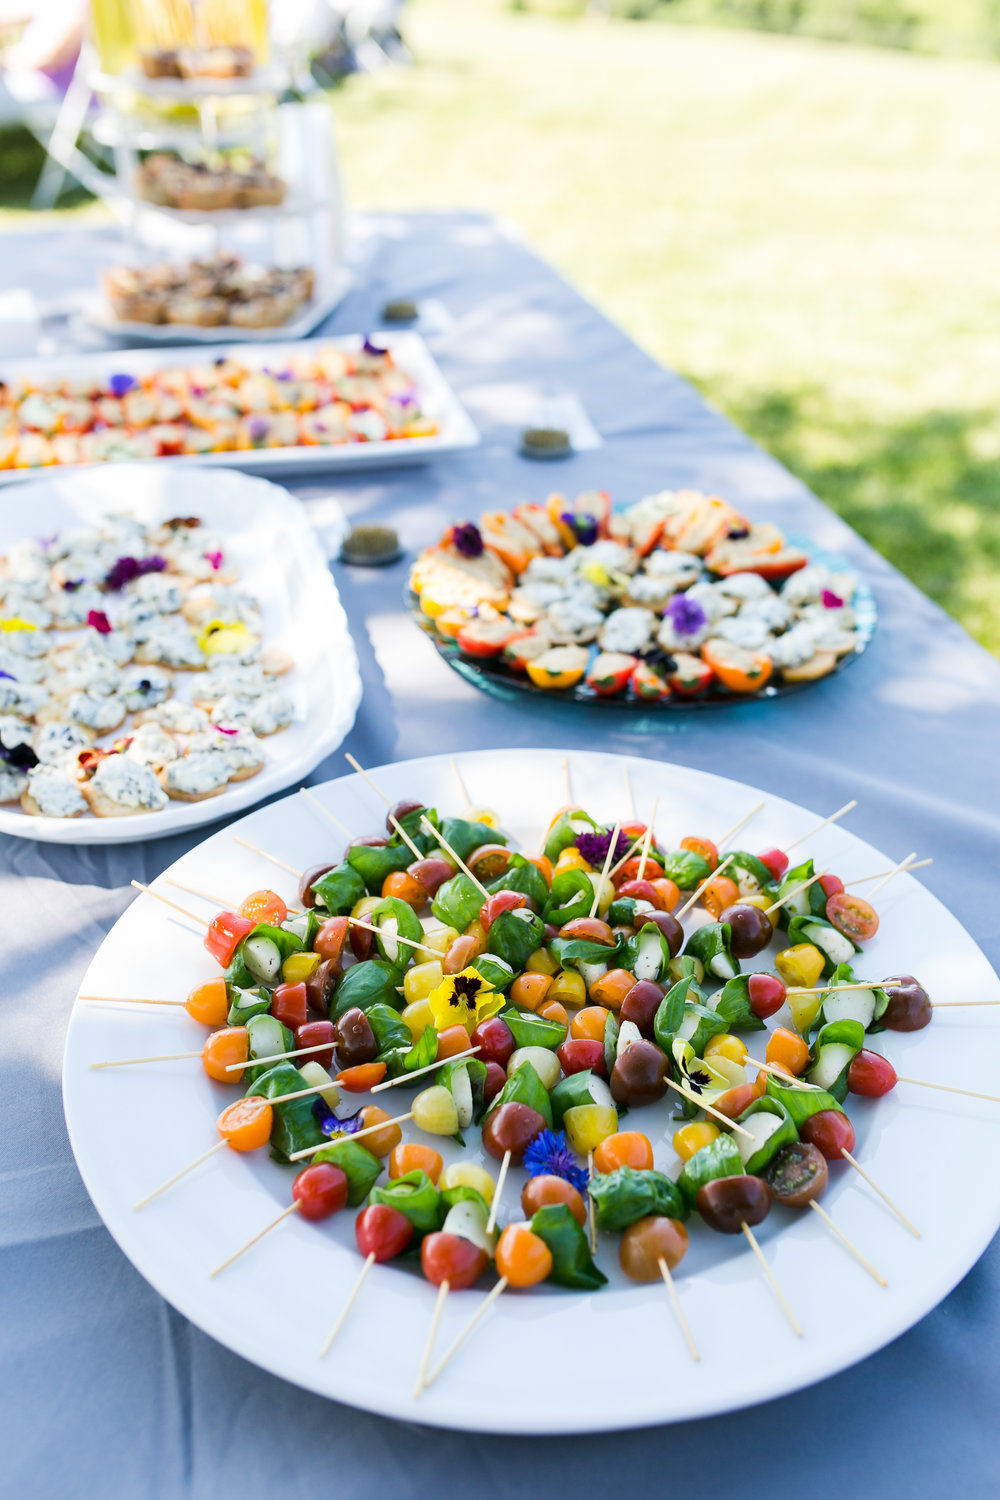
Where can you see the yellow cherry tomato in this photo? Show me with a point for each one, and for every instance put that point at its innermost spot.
(440, 939)
(804, 1009)
(541, 962)
(365, 905)
(587, 1125)
(570, 859)
(435, 1111)
(418, 1017)
(801, 965)
(298, 966)
(483, 815)
(725, 1045)
(419, 981)
(467, 1174)
(691, 1138)
(568, 988)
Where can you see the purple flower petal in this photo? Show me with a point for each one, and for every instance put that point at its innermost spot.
(120, 385)
(594, 847)
(467, 540)
(127, 568)
(99, 621)
(9, 676)
(21, 757)
(370, 348)
(549, 1156)
(72, 584)
(583, 526)
(215, 559)
(686, 615)
(831, 600)
(258, 427)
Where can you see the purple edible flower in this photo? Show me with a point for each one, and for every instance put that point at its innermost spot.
(127, 568)
(120, 385)
(370, 348)
(549, 1156)
(258, 427)
(686, 615)
(584, 526)
(467, 540)
(21, 757)
(100, 622)
(594, 847)
(9, 676)
(45, 542)
(222, 730)
(331, 1125)
(72, 584)
(215, 559)
(736, 533)
(831, 600)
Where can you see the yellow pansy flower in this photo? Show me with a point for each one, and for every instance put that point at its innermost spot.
(225, 637)
(464, 999)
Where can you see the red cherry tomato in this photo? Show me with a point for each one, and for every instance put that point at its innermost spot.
(290, 1006)
(450, 1258)
(321, 1190)
(776, 861)
(852, 916)
(226, 931)
(577, 1054)
(642, 890)
(766, 993)
(265, 906)
(870, 1075)
(312, 1034)
(495, 1041)
(830, 885)
(361, 1079)
(330, 938)
(830, 1132)
(382, 1231)
(496, 1077)
(502, 901)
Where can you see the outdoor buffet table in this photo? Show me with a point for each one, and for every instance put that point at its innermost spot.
(104, 1385)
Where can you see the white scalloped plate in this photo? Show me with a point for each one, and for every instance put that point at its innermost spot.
(269, 536)
(548, 1360)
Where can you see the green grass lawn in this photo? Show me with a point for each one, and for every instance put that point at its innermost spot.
(810, 232)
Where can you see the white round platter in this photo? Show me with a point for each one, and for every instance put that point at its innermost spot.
(548, 1360)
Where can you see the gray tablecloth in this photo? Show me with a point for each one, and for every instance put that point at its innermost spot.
(104, 1389)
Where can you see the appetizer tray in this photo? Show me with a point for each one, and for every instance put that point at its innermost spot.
(454, 427)
(271, 543)
(614, 1357)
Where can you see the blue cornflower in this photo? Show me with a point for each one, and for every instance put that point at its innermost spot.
(549, 1156)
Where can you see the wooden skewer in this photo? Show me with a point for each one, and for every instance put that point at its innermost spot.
(259, 1236)
(695, 894)
(391, 1083)
(920, 864)
(795, 891)
(716, 1114)
(407, 942)
(591, 1218)
(605, 867)
(629, 794)
(324, 811)
(129, 1000)
(355, 1135)
(480, 1313)
(568, 777)
(776, 1289)
(443, 1291)
(935, 1004)
(737, 826)
(629, 852)
(648, 839)
(271, 857)
(833, 818)
(461, 784)
(501, 1179)
(862, 1260)
(948, 1088)
(833, 989)
(352, 1298)
(365, 777)
(126, 1062)
(255, 1062)
(788, 1079)
(875, 1188)
(437, 834)
(903, 865)
(148, 890)
(678, 1310)
(396, 825)
(205, 895)
(182, 1173)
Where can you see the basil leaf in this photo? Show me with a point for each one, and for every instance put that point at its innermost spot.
(623, 1196)
(373, 862)
(458, 902)
(801, 1103)
(756, 1154)
(366, 984)
(525, 1087)
(569, 952)
(407, 925)
(566, 830)
(340, 890)
(733, 1005)
(533, 1031)
(572, 1265)
(246, 1004)
(515, 935)
(294, 1126)
(521, 875)
(686, 869)
(713, 945)
(571, 896)
(719, 1158)
(391, 1031)
(465, 837)
(359, 1166)
(415, 1196)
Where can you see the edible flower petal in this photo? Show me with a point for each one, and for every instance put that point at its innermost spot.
(224, 637)
(549, 1156)
(127, 568)
(467, 540)
(830, 600)
(686, 615)
(583, 526)
(16, 623)
(120, 385)
(99, 621)
(594, 847)
(464, 999)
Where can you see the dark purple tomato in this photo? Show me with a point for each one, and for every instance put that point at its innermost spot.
(797, 1175)
(669, 926)
(909, 1007)
(727, 1203)
(355, 1038)
(400, 811)
(751, 930)
(639, 1075)
(641, 1004)
(307, 896)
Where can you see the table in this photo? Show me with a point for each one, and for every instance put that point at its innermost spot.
(104, 1388)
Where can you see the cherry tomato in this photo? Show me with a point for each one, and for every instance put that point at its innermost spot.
(642, 890)
(231, 1045)
(871, 1075)
(704, 847)
(502, 901)
(830, 1132)
(264, 906)
(544, 865)
(590, 1023)
(727, 1203)
(354, 1038)
(209, 1003)
(652, 871)
(329, 941)
(539, 1192)
(580, 1053)
(776, 861)
(290, 1006)
(909, 1007)
(451, 1041)
(246, 1125)
(307, 896)
(830, 885)
(431, 873)
(405, 887)
(382, 1231)
(855, 918)
(398, 812)
(735, 1101)
(496, 1077)
(627, 1148)
(511, 1127)
(719, 893)
(461, 953)
(380, 1142)
(321, 1190)
(611, 988)
(410, 1157)
(551, 1010)
(312, 1034)
(226, 931)
(489, 861)
(648, 1241)
(362, 1079)
(750, 930)
(450, 1258)
(592, 929)
(641, 1004)
(495, 1041)
(523, 1256)
(362, 941)
(797, 1175)
(669, 926)
(766, 993)
(529, 990)
(784, 1047)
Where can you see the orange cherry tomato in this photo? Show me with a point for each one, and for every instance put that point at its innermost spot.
(855, 918)
(231, 1045)
(543, 864)
(409, 1157)
(246, 1125)
(380, 1142)
(523, 1256)
(787, 1049)
(529, 990)
(611, 988)
(360, 1079)
(739, 670)
(329, 940)
(405, 888)
(489, 861)
(592, 929)
(704, 847)
(209, 1003)
(588, 1024)
(669, 893)
(760, 1085)
(628, 1148)
(452, 1040)
(719, 893)
(551, 1010)
(539, 1192)
(735, 1101)
(653, 870)
(264, 906)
